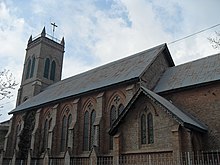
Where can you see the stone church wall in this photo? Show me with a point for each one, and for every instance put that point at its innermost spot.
(130, 130)
(204, 104)
(101, 100)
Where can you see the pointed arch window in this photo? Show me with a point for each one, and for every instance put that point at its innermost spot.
(150, 129)
(45, 135)
(112, 115)
(86, 132)
(115, 110)
(63, 134)
(92, 128)
(28, 69)
(46, 68)
(68, 126)
(32, 67)
(112, 119)
(143, 129)
(52, 71)
(147, 129)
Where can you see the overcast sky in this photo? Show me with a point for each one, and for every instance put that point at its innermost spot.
(100, 31)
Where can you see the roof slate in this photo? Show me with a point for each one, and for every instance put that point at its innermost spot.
(193, 73)
(119, 71)
(181, 117)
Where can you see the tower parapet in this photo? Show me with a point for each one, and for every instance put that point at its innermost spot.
(47, 38)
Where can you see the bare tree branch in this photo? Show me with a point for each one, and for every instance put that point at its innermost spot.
(215, 41)
(7, 84)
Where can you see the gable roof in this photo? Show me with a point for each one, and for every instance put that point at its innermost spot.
(181, 117)
(204, 70)
(126, 69)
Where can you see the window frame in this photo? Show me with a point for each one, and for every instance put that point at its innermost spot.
(53, 70)
(146, 128)
(46, 68)
(92, 129)
(86, 131)
(32, 67)
(28, 69)
(63, 134)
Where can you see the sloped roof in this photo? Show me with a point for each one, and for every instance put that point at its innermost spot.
(181, 117)
(197, 72)
(126, 69)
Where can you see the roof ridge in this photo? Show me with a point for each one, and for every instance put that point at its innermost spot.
(104, 66)
(120, 71)
(196, 60)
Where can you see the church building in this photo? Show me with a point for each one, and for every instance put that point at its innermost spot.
(137, 109)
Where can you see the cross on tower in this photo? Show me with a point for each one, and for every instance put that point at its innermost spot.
(54, 26)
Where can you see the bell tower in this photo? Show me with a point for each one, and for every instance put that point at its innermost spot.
(42, 65)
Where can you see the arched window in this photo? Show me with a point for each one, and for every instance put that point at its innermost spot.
(32, 67)
(143, 129)
(68, 126)
(18, 129)
(28, 69)
(120, 109)
(45, 135)
(86, 132)
(46, 68)
(52, 71)
(112, 119)
(63, 134)
(150, 129)
(92, 128)
(112, 115)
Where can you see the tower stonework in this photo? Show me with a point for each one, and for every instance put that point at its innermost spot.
(42, 65)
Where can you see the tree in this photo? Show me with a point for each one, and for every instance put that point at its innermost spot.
(7, 84)
(215, 41)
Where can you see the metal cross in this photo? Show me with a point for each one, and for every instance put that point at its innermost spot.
(54, 26)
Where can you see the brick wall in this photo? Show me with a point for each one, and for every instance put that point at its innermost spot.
(77, 149)
(204, 104)
(163, 124)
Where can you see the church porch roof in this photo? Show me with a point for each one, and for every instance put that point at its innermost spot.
(180, 116)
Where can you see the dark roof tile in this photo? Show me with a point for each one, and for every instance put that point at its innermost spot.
(180, 116)
(189, 74)
(115, 72)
